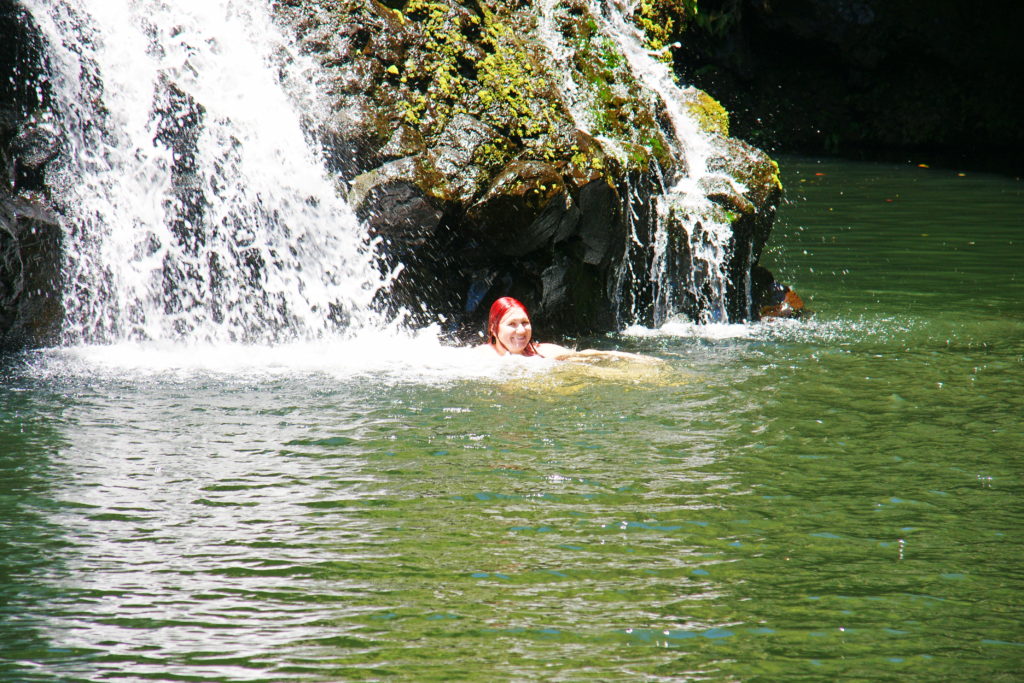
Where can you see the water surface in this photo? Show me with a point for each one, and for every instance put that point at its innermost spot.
(837, 498)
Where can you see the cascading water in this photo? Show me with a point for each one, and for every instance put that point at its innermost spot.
(195, 207)
(681, 203)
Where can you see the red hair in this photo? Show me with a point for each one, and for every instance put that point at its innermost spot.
(499, 309)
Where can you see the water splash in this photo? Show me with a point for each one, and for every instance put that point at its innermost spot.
(194, 206)
(379, 357)
(685, 205)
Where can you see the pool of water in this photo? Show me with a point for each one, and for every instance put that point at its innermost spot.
(834, 498)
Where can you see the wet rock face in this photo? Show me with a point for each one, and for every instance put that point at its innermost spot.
(30, 237)
(30, 310)
(464, 159)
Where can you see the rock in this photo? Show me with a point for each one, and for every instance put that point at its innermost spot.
(30, 236)
(36, 145)
(525, 208)
(598, 203)
(774, 300)
(467, 161)
(30, 263)
(389, 198)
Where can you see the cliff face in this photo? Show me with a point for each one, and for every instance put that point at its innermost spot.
(865, 77)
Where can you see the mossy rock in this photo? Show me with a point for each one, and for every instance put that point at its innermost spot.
(711, 115)
(462, 147)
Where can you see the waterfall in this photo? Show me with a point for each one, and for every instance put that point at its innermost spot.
(684, 205)
(195, 205)
(682, 209)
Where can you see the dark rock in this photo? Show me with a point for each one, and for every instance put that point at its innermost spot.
(525, 208)
(393, 206)
(30, 237)
(774, 300)
(405, 141)
(598, 204)
(30, 262)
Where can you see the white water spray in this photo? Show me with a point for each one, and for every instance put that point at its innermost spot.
(682, 204)
(195, 207)
(685, 204)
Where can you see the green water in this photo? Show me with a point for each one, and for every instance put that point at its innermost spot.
(834, 499)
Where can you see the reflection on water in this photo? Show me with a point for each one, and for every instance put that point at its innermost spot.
(836, 498)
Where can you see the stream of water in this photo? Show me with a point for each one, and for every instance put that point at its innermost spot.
(838, 498)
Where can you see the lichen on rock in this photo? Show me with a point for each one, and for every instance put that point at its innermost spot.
(480, 172)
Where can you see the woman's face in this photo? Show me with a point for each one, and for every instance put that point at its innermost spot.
(514, 331)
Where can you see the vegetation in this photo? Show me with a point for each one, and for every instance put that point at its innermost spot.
(663, 21)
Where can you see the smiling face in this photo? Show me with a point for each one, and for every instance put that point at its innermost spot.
(513, 331)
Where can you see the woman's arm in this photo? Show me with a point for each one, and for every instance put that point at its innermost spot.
(556, 352)
(615, 355)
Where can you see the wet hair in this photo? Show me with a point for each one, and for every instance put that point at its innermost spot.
(499, 309)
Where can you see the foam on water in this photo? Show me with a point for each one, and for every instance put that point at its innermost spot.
(391, 356)
(683, 328)
(812, 331)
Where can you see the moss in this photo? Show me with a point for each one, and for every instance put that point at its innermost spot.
(434, 81)
(776, 177)
(711, 115)
(493, 155)
(516, 93)
(472, 63)
(614, 93)
(662, 21)
(450, 60)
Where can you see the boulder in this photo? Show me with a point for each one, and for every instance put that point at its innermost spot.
(469, 163)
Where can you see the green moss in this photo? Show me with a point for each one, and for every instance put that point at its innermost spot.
(474, 64)
(515, 92)
(662, 21)
(711, 115)
(493, 155)
(776, 174)
(434, 82)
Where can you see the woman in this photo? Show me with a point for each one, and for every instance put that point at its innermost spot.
(509, 333)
